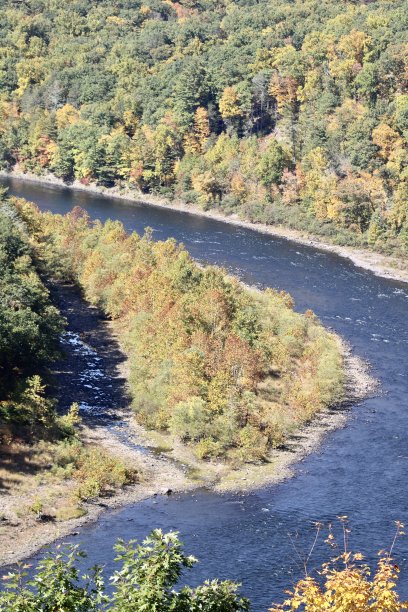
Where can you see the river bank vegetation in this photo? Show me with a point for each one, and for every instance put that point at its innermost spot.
(225, 372)
(29, 333)
(282, 112)
(41, 454)
(229, 370)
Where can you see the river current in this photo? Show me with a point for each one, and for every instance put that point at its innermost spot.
(360, 471)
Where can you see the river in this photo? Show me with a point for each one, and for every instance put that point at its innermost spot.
(360, 470)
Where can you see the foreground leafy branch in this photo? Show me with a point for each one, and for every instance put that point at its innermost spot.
(145, 581)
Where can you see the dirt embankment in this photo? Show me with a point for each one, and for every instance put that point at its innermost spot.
(382, 265)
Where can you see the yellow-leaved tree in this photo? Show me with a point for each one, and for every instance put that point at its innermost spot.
(229, 104)
(346, 583)
(194, 141)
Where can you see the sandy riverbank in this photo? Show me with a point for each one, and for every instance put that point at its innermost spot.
(22, 537)
(381, 265)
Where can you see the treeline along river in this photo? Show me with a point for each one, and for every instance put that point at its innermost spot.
(360, 471)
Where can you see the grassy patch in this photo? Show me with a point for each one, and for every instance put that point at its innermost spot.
(95, 471)
(69, 512)
(50, 481)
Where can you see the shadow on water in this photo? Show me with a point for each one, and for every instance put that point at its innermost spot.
(89, 371)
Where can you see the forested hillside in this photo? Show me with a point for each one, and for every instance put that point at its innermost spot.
(282, 111)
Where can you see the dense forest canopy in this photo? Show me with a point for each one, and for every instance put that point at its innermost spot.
(29, 323)
(280, 110)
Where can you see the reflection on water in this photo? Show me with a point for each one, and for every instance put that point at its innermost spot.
(360, 471)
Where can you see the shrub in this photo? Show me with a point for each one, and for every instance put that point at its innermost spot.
(253, 446)
(100, 473)
(96, 470)
(190, 419)
(68, 423)
(36, 507)
(207, 448)
(347, 583)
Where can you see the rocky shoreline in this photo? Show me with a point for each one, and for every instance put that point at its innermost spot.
(381, 265)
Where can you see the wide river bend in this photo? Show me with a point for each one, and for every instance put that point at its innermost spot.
(360, 471)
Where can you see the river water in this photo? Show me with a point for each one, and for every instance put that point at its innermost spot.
(360, 471)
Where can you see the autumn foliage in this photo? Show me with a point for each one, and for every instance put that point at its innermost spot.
(228, 369)
(347, 584)
(279, 111)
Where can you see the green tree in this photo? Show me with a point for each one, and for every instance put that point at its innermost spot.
(145, 581)
(273, 160)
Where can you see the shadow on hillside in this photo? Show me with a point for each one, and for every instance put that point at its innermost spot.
(15, 462)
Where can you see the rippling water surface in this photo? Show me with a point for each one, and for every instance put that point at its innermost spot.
(360, 470)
